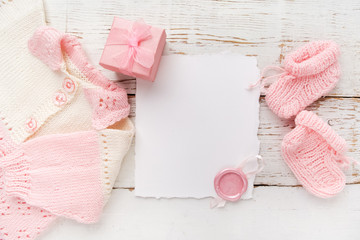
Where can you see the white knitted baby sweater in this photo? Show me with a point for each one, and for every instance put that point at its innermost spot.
(30, 89)
(52, 89)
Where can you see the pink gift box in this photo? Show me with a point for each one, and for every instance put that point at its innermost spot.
(134, 49)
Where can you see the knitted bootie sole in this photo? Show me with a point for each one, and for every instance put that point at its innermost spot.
(313, 151)
(310, 72)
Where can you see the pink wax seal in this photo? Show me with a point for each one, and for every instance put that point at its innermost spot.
(230, 184)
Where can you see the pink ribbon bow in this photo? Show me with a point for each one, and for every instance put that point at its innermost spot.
(132, 39)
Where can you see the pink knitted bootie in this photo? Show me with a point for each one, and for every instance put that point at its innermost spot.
(309, 73)
(315, 153)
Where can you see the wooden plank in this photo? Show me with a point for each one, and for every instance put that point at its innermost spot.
(342, 113)
(56, 14)
(266, 29)
(229, 26)
(284, 212)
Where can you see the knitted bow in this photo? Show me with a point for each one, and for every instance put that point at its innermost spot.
(132, 39)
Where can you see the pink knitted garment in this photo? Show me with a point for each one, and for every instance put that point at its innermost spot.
(60, 173)
(109, 105)
(65, 175)
(36, 102)
(20, 220)
(310, 72)
(314, 152)
(25, 205)
(109, 101)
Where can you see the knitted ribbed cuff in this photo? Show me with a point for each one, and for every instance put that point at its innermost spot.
(312, 58)
(16, 172)
(14, 10)
(312, 121)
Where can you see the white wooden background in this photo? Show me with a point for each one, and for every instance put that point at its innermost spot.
(265, 29)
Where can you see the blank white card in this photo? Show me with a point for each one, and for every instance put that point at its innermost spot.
(196, 119)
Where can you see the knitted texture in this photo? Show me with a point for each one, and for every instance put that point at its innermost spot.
(109, 102)
(109, 106)
(37, 101)
(97, 96)
(20, 220)
(310, 72)
(314, 152)
(51, 172)
(61, 173)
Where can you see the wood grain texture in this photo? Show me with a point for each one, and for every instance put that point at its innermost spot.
(266, 29)
(282, 213)
(56, 14)
(343, 114)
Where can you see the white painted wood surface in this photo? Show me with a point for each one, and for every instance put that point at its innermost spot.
(268, 30)
(274, 213)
